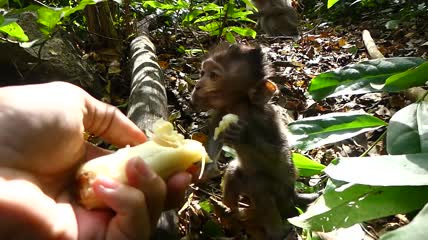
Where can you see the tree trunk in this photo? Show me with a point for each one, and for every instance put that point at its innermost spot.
(148, 103)
(147, 100)
(101, 26)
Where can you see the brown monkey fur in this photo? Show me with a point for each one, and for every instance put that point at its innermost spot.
(234, 79)
(277, 17)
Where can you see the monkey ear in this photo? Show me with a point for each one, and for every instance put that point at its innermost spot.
(262, 92)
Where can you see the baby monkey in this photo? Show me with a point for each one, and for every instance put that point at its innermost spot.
(234, 79)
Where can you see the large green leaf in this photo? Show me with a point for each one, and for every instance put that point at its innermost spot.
(306, 166)
(360, 77)
(392, 170)
(343, 205)
(417, 76)
(408, 130)
(313, 132)
(415, 230)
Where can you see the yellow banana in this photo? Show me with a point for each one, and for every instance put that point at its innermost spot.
(166, 152)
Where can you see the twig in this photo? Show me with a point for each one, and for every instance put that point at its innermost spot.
(373, 145)
(371, 46)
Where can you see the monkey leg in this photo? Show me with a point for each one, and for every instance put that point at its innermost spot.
(232, 184)
(263, 219)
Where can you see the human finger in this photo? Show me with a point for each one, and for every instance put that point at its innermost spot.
(141, 176)
(132, 220)
(109, 123)
(24, 205)
(177, 185)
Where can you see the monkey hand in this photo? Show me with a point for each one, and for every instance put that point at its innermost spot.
(236, 134)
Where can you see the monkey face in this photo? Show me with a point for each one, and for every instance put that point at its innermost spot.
(231, 76)
(209, 91)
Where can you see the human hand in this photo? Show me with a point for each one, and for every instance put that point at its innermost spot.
(42, 145)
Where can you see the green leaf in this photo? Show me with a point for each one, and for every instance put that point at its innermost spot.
(250, 4)
(194, 51)
(417, 76)
(390, 170)
(314, 132)
(82, 4)
(415, 230)
(3, 2)
(246, 32)
(343, 205)
(191, 16)
(212, 7)
(307, 167)
(360, 77)
(408, 130)
(15, 31)
(6, 21)
(229, 37)
(182, 4)
(208, 18)
(48, 18)
(206, 206)
(330, 3)
(241, 15)
(212, 28)
(155, 4)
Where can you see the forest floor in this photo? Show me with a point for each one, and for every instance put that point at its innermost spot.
(323, 48)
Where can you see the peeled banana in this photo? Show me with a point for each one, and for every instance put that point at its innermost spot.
(224, 123)
(166, 152)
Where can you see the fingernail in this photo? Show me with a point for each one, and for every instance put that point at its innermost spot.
(107, 183)
(144, 169)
